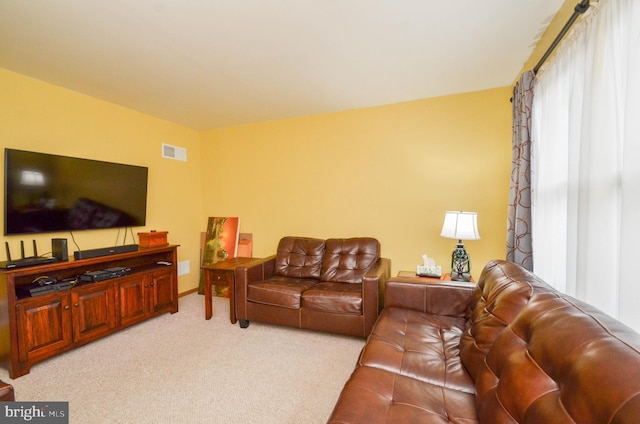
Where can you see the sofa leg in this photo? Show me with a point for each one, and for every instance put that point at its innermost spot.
(244, 323)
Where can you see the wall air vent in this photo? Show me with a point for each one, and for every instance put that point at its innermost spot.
(174, 152)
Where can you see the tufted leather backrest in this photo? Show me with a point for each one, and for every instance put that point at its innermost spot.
(347, 260)
(559, 360)
(500, 295)
(299, 257)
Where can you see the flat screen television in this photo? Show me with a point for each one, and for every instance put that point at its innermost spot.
(46, 193)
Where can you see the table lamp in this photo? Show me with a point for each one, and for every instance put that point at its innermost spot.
(460, 225)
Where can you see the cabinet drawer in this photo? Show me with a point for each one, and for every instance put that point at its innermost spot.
(220, 277)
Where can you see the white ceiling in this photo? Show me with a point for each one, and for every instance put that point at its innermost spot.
(216, 63)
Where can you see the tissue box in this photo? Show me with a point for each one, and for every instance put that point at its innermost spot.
(429, 271)
(153, 239)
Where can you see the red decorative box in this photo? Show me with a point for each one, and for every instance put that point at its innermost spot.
(153, 239)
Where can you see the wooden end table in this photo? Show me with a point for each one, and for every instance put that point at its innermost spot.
(223, 274)
(412, 274)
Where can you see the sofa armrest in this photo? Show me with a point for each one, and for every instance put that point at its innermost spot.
(6, 392)
(247, 274)
(450, 298)
(372, 282)
(375, 279)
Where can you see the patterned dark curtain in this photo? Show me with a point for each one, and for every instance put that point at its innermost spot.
(519, 249)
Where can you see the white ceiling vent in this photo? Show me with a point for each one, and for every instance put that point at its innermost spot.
(174, 152)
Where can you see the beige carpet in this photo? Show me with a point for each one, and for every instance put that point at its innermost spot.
(183, 369)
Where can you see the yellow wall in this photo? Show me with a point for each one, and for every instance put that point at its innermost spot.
(41, 117)
(388, 172)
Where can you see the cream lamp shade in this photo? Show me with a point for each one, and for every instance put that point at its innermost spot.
(460, 225)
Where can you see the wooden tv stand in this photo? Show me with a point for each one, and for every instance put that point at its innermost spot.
(33, 329)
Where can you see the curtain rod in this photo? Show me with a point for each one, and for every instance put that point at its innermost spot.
(577, 11)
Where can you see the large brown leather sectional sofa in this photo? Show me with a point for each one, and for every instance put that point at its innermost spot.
(510, 350)
(328, 285)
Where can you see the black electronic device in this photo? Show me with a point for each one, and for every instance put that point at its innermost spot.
(104, 251)
(43, 285)
(94, 276)
(118, 271)
(59, 249)
(104, 274)
(52, 193)
(21, 263)
(24, 262)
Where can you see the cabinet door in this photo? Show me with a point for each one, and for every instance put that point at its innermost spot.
(94, 311)
(162, 292)
(44, 326)
(132, 299)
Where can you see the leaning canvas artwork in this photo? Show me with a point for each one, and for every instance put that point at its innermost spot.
(220, 243)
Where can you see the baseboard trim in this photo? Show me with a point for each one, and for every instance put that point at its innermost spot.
(187, 292)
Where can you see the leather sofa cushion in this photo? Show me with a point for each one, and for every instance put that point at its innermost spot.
(299, 257)
(422, 346)
(279, 291)
(339, 298)
(347, 260)
(376, 396)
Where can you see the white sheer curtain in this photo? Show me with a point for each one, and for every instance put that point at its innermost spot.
(586, 162)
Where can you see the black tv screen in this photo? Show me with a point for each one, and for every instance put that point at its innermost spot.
(46, 193)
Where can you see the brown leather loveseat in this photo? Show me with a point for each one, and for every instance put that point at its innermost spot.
(511, 350)
(328, 285)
